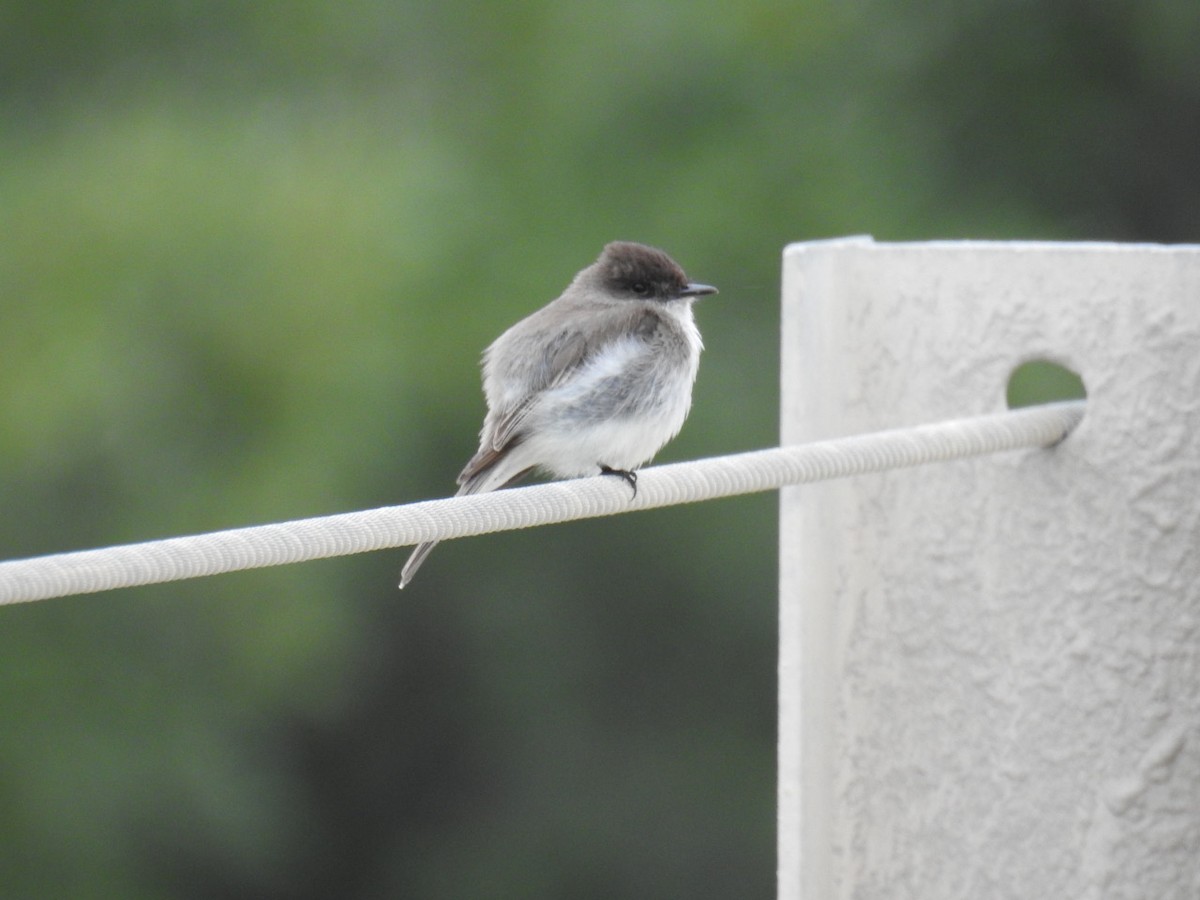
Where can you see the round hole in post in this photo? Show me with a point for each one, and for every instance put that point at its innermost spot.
(1042, 381)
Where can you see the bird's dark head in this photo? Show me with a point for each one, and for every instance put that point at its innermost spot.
(636, 272)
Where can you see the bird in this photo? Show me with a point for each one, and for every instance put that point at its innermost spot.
(595, 382)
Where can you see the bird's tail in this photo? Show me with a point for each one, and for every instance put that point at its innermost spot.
(414, 562)
(492, 479)
(423, 550)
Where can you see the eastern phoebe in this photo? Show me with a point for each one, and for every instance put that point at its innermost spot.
(596, 381)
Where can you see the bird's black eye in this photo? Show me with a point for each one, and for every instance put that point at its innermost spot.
(640, 288)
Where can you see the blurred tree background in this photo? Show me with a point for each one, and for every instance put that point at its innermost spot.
(250, 254)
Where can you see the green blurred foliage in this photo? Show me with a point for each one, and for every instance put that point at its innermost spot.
(250, 254)
(1042, 381)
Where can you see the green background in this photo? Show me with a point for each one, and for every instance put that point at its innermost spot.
(249, 255)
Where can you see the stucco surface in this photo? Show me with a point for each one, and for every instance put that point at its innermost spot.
(990, 670)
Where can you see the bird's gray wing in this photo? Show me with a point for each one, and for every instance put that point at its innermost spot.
(565, 351)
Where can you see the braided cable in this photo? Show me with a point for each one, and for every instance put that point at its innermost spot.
(172, 559)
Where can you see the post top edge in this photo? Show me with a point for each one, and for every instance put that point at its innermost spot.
(1022, 246)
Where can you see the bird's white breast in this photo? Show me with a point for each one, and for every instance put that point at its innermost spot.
(619, 408)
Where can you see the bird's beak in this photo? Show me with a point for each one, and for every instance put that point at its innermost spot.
(698, 290)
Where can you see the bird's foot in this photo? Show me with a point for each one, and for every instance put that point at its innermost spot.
(628, 476)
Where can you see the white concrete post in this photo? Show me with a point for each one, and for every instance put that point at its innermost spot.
(990, 669)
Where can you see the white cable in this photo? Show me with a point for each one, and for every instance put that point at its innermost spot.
(172, 559)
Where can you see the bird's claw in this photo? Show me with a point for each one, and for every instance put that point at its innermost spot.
(629, 477)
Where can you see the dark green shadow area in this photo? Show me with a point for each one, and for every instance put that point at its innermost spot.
(1041, 381)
